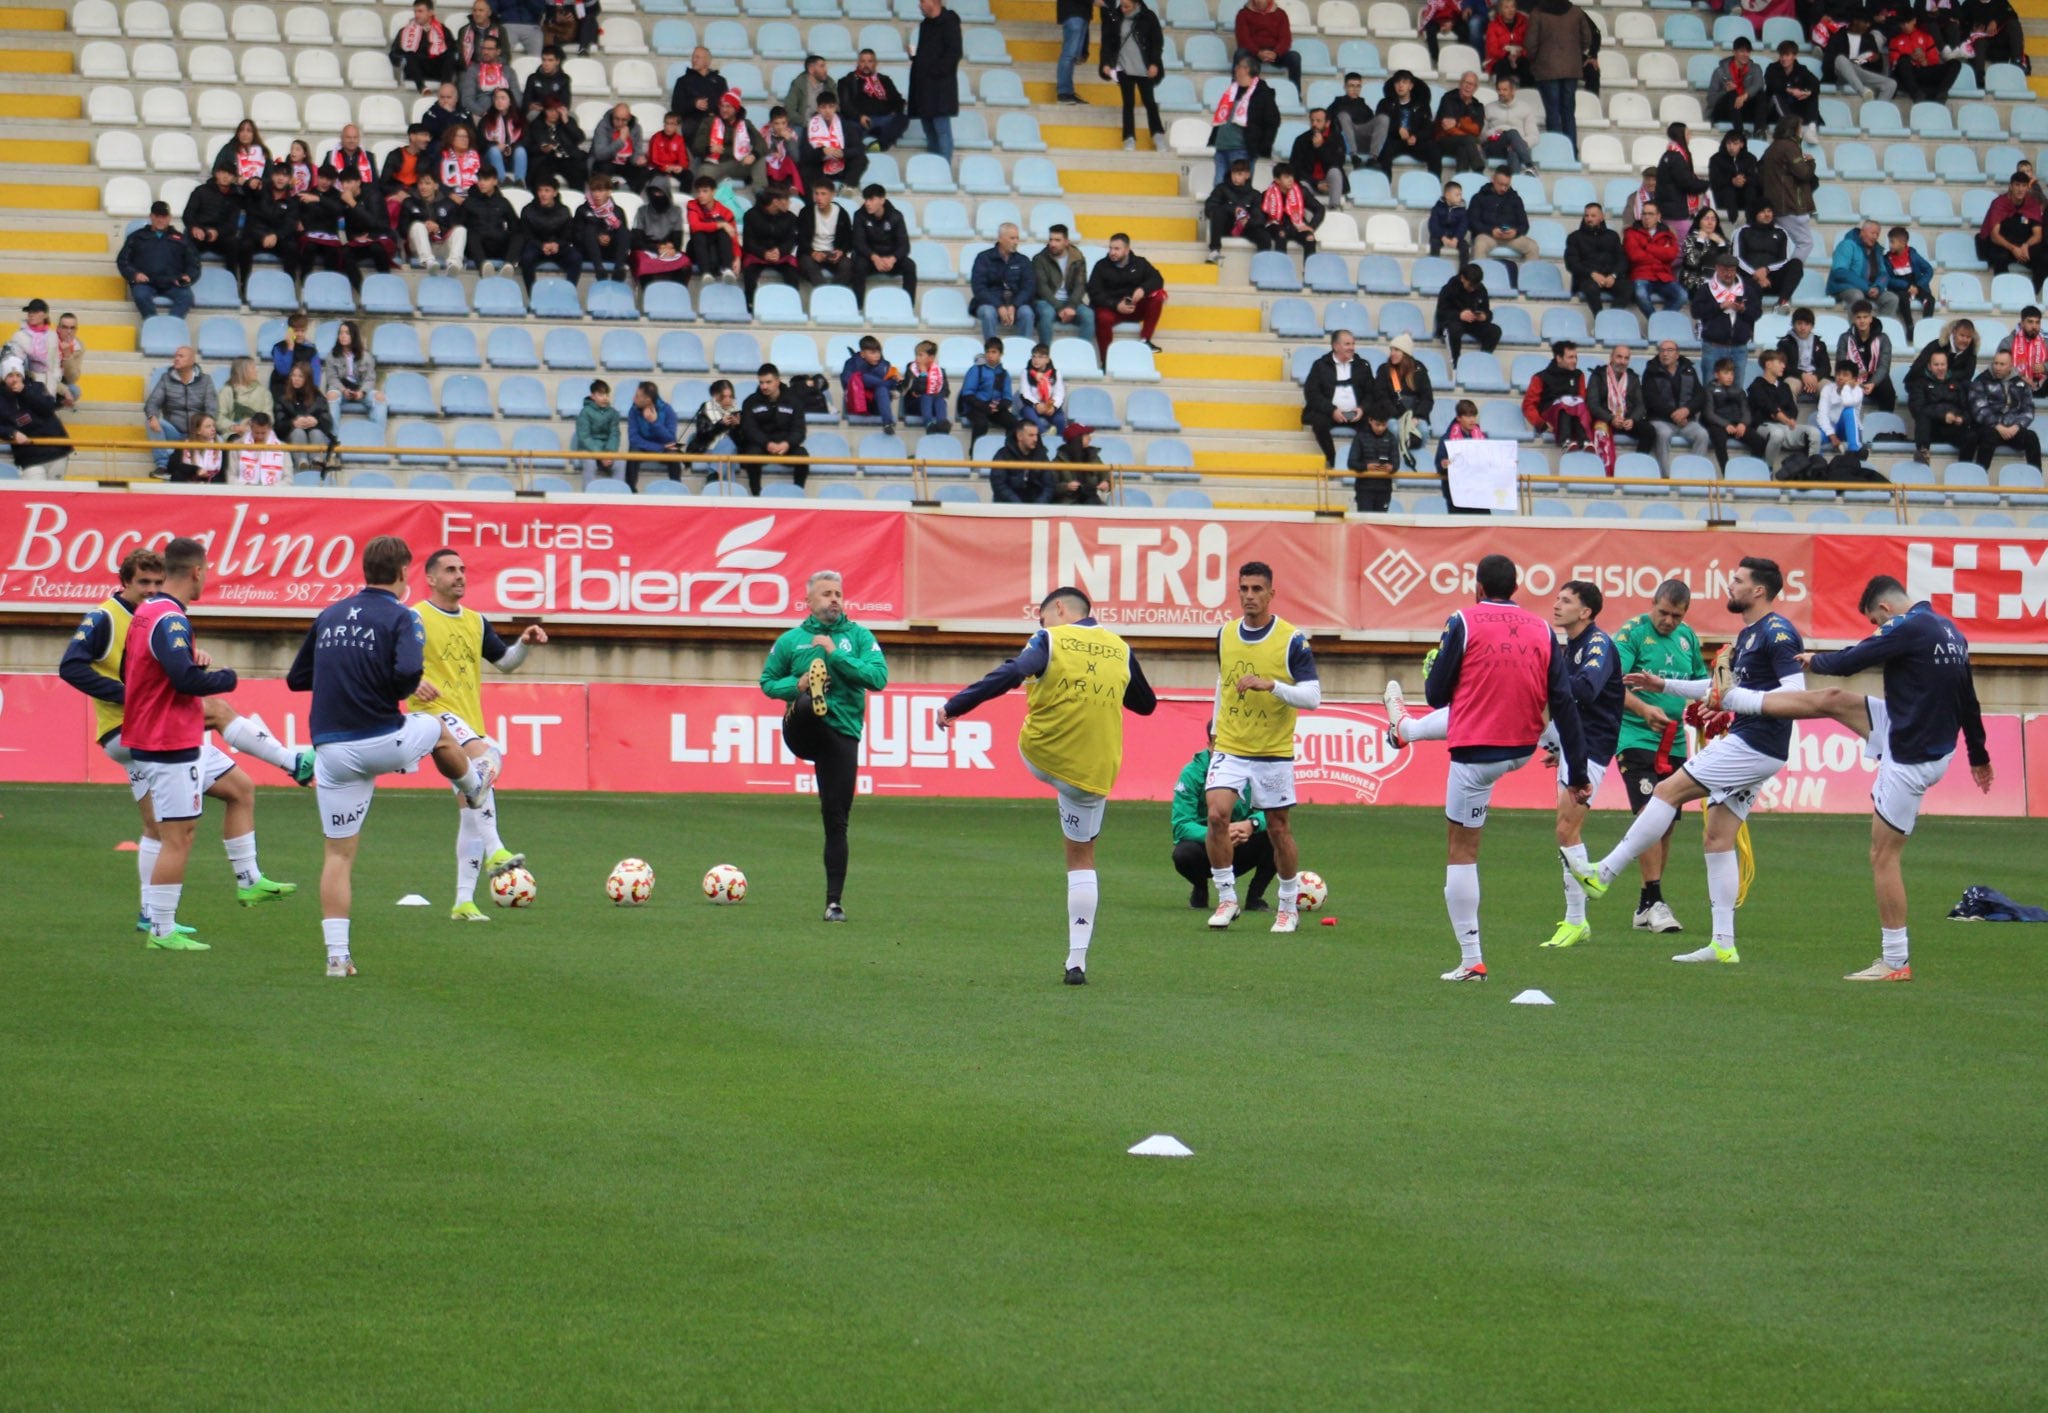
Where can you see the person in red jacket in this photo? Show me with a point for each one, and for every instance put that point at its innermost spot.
(1652, 252)
(714, 232)
(1507, 45)
(1264, 33)
(668, 151)
(1917, 63)
(1556, 399)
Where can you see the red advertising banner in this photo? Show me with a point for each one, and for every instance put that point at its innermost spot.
(2036, 738)
(45, 729)
(598, 560)
(1994, 587)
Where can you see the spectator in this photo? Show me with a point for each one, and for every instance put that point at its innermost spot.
(1555, 401)
(1614, 401)
(1732, 177)
(1070, 483)
(245, 157)
(1124, 288)
(881, 242)
(469, 43)
(826, 153)
(1679, 187)
(304, 419)
(349, 156)
(1353, 117)
(1464, 311)
(1500, 221)
(1764, 252)
(868, 384)
(2028, 350)
(1402, 386)
(771, 424)
(1676, 401)
(1645, 194)
(547, 233)
(1793, 90)
(1464, 428)
(51, 357)
(619, 149)
(1441, 20)
(768, 241)
(406, 163)
(1958, 342)
(299, 161)
(660, 237)
(1774, 413)
(1786, 179)
(1562, 45)
(602, 233)
(245, 395)
(421, 51)
(1867, 349)
(491, 226)
(1596, 261)
(1374, 454)
(1318, 158)
(504, 137)
(482, 79)
(1940, 404)
(1807, 366)
(27, 412)
(428, 220)
(1507, 43)
(712, 238)
(1449, 230)
(181, 394)
(651, 431)
(1404, 126)
(1001, 287)
(350, 381)
(1512, 124)
(1133, 49)
(555, 141)
(1908, 277)
(1460, 119)
(213, 218)
(1994, 35)
(825, 252)
(1727, 415)
(727, 146)
(986, 397)
(597, 429)
(262, 460)
(1702, 251)
(1042, 398)
(204, 465)
(444, 113)
(934, 69)
(1338, 386)
(1021, 484)
(1838, 418)
(365, 229)
(1857, 274)
(159, 265)
(1246, 120)
(2004, 413)
(868, 100)
(567, 22)
(459, 163)
(783, 154)
(1917, 63)
(1288, 212)
(802, 98)
(1264, 34)
(1652, 253)
(319, 224)
(1735, 91)
(270, 226)
(1061, 275)
(924, 389)
(2012, 231)
(1856, 59)
(697, 92)
(718, 418)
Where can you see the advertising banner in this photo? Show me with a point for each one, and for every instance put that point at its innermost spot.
(1994, 587)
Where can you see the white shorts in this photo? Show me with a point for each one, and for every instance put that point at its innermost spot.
(213, 764)
(1732, 771)
(1271, 781)
(1468, 791)
(1596, 774)
(1896, 792)
(464, 733)
(175, 788)
(1080, 812)
(345, 772)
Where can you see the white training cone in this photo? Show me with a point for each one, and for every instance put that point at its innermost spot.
(1161, 1145)
(414, 900)
(1532, 998)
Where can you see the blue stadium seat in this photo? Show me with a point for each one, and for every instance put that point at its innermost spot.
(1294, 319)
(1092, 407)
(380, 481)
(1274, 270)
(929, 172)
(612, 299)
(2011, 292)
(428, 446)
(555, 298)
(1933, 207)
(1676, 325)
(325, 292)
(835, 304)
(1565, 324)
(1513, 322)
(1418, 191)
(667, 302)
(1129, 361)
(681, 351)
(465, 395)
(386, 294)
(532, 438)
(795, 354)
(215, 289)
(1525, 367)
(1032, 176)
(407, 394)
(555, 485)
(1481, 372)
(397, 346)
(220, 338)
(666, 487)
(567, 348)
(736, 353)
(1326, 273)
(779, 304)
(1352, 314)
(271, 290)
(1903, 162)
(934, 263)
(474, 437)
(1553, 152)
(726, 304)
(1431, 273)
(440, 296)
(498, 297)
(453, 346)
(1382, 275)
(511, 346)
(1400, 317)
(523, 396)
(943, 309)
(624, 351)
(1502, 421)
(1150, 410)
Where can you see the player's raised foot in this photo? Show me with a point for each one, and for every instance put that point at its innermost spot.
(1076, 977)
(1587, 877)
(503, 861)
(1721, 677)
(179, 941)
(486, 774)
(302, 768)
(1712, 952)
(264, 890)
(834, 913)
(1226, 913)
(1396, 702)
(816, 680)
(1569, 934)
(1286, 920)
(467, 912)
(342, 965)
(1658, 917)
(1881, 970)
(142, 926)
(1475, 972)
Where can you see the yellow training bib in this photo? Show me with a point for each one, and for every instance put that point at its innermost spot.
(107, 716)
(454, 656)
(1075, 729)
(1256, 725)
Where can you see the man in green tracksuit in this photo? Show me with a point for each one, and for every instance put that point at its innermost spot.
(1652, 743)
(824, 668)
(1253, 846)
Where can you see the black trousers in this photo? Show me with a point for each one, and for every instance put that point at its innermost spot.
(1487, 336)
(2025, 441)
(837, 758)
(1253, 856)
(711, 252)
(1131, 86)
(906, 271)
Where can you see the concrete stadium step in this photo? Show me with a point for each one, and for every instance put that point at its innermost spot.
(47, 242)
(34, 61)
(1034, 12)
(22, 19)
(1236, 416)
(1086, 181)
(62, 107)
(109, 287)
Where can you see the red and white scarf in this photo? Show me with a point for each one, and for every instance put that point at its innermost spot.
(361, 162)
(302, 177)
(459, 169)
(1235, 106)
(265, 467)
(1287, 204)
(1864, 356)
(624, 137)
(827, 133)
(2029, 355)
(1617, 391)
(250, 163)
(872, 85)
(503, 129)
(779, 165)
(742, 144)
(490, 77)
(603, 209)
(1041, 383)
(1727, 296)
(473, 40)
(934, 380)
(435, 36)
(205, 464)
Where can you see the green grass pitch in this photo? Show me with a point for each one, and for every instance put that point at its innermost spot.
(686, 1156)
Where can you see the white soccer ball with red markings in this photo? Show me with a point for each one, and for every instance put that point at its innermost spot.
(725, 884)
(512, 889)
(630, 883)
(1314, 892)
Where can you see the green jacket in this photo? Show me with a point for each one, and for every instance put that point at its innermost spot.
(597, 428)
(1191, 803)
(1639, 647)
(855, 666)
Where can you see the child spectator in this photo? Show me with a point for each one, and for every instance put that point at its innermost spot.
(924, 389)
(1464, 428)
(1556, 399)
(986, 394)
(1290, 212)
(869, 385)
(1841, 404)
(1232, 208)
(597, 427)
(1909, 275)
(1728, 416)
(1042, 401)
(1373, 450)
(718, 417)
(204, 465)
(714, 235)
(650, 431)
(1450, 226)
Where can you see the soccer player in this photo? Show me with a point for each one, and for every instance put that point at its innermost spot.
(1652, 742)
(1910, 732)
(1266, 675)
(824, 668)
(361, 656)
(458, 642)
(92, 663)
(1728, 772)
(1495, 671)
(1083, 678)
(1590, 660)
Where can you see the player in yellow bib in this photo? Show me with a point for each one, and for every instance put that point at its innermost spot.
(1265, 675)
(458, 644)
(1082, 679)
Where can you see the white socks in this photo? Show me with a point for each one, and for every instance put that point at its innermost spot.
(335, 931)
(469, 855)
(1290, 894)
(163, 908)
(244, 735)
(469, 779)
(1574, 896)
(1082, 896)
(1650, 826)
(146, 850)
(1436, 726)
(1724, 881)
(242, 855)
(1461, 900)
(1743, 701)
(1225, 879)
(1894, 946)
(487, 823)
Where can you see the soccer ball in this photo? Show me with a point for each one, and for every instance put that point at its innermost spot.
(513, 889)
(725, 884)
(1314, 892)
(630, 883)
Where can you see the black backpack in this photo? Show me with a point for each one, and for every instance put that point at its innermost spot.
(811, 393)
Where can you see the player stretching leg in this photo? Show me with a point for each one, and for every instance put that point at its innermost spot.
(1910, 732)
(1728, 773)
(1596, 687)
(1496, 670)
(362, 655)
(1266, 675)
(92, 664)
(1652, 742)
(1083, 678)
(457, 642)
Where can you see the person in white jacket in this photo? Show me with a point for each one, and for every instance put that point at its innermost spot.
(1841, 408)
(1511, 128)
(263, 460)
